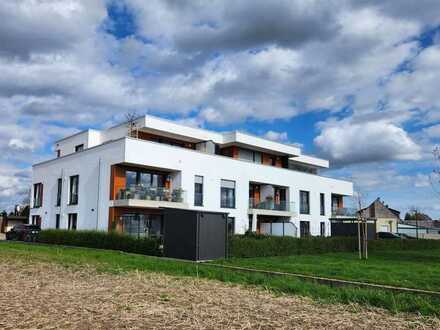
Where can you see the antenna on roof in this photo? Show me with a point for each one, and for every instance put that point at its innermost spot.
(131, 124)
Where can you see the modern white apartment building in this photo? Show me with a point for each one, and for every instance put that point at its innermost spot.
(120, 178)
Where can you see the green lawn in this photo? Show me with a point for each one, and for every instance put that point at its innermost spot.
(412, 269)
(119, 262)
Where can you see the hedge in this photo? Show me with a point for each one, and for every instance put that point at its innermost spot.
(248, 246)
(100, 240)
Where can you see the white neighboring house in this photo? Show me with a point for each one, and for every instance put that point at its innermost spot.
(106, 180)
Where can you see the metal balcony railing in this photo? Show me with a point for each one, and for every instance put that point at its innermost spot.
(344, 212)
(152, 194)
(271, 205)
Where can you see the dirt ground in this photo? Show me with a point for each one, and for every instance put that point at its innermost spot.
(49, 297)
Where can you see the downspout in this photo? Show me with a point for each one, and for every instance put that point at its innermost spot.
(99, 190)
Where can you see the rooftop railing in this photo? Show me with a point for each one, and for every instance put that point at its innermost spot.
(152, 194)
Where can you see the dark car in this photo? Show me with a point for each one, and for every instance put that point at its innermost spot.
(387, 235)
(405, 236)
(27, 233)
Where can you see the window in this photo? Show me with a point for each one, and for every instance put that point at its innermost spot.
(144, 179)
(73, 198)
(322, 228)
(198, 190)
(36, 220)
(59, 187)
(227, 194)
(322, 203)
(38, 195)
(57, 221)
(79, 147)
(231, 226)
(304, 201)
(73, 217)
(304, 227)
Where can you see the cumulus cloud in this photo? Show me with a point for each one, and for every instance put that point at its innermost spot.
(433, 131)
(345, 142)
(219, 64)
(276, 136)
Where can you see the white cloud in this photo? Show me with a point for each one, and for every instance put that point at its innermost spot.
(345, 142)
(60, 67)
(276, 136)
(433, 131)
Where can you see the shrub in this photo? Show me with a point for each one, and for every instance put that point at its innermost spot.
(265, 246)
(100, 240)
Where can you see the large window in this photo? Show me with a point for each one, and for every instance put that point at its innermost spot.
(38, 195)
(198, 190)
(322, 204)
(73, 217)
(304, 202)
(142, 225)
(144, 179)
(227, 194)
(73, 196)
(59, 188)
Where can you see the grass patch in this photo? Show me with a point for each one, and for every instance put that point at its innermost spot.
(412, 269)
(117, 262)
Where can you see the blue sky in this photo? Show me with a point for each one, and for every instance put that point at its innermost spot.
(352, 81)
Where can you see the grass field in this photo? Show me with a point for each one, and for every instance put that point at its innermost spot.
(412, 269)
(337, 265)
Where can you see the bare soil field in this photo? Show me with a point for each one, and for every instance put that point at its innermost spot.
(47, 296)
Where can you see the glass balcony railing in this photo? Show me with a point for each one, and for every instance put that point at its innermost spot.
(344, 212)
(152, 194)
(271, 205)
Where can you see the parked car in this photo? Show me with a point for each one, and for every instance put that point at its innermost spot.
(405, 236)
(387, 235)
(27, 233)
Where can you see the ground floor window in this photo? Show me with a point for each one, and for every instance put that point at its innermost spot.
(57, 221)
(304, 228)
(36, 220)
(322, 228)
(142, 225)
(231, 226)
(73, 218)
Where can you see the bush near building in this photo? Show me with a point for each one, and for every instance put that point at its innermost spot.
(101, 240)
(250, 246)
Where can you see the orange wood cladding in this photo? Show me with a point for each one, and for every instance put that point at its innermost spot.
(117, 180)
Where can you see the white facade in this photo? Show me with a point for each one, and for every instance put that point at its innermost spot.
(112, 147)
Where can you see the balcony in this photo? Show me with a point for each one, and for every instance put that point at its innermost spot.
(149, 197)
(271, 205)
(344, 212)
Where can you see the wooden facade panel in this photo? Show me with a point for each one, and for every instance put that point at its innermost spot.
(117, 180)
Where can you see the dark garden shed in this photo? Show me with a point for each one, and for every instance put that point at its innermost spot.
(195, 235)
